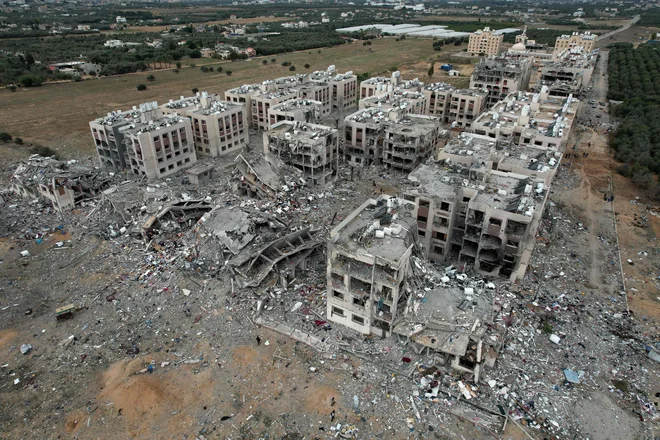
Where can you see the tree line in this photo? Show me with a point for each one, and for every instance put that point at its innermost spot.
(634, 80)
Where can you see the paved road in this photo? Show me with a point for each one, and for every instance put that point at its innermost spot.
(634, 20)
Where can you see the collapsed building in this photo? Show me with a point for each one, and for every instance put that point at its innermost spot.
(569, 75)
(502, 75)
(386, 137)
(263, 175)
(313, 149)
(369, 261)
(64, 184)
(453, 325)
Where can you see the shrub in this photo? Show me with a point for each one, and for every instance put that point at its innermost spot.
(5, 137)
(178, 64)
(11, 87)
(176, 71)
(228, 72)
(141, 87)
(18, 141)
(264, 62)
(151, 78)
(307, 66)
(273, 60)
(292, 68)
(204, 69)
(195, 90)
(30, 80)
(219, 69)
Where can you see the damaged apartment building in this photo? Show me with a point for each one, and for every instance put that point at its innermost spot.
(330, 88)
(369, 260)
(502, 75)
(144, 140)
(386, 137)
(481, 203)
(456, 107)
(524, 118)
(219, 127)
(312, 148)
(301, 110)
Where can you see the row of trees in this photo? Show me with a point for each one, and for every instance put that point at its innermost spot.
(634, 79)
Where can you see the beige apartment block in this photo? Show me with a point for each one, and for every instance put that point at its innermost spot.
(465, 106)
(312, 148)
(243, 95)
(158, 146)
(502, 75)
(368, 265)
(261, 102)
(475, 206)
(485, 42)
(186, 104)
(319, 92)
(301, 110)
(405, 102)
(221, 128)
(109, 137)
(536, 119)
(574, 43)
(374, 136)
(379, 86)
(343, 90)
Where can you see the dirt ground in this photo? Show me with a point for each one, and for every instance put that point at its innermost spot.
(634, 35)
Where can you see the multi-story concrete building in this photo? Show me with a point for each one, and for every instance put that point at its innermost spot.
(221, 128)
(302, 110)
(485, 42)
(574, 43)
(536, 119)
(457, 107)
(186, 104)
(312, 148)
(476, 207)
(109, 137)
(376, 136)
(501, 76)
(405, 102)
(343, 90)
(261, 102)
(157, 145)
(379, 86)
(465, 106)
(368, 264)
(568, 76)
(319, 92)
(243, 95)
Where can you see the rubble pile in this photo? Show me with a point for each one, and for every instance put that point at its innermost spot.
(168, 266)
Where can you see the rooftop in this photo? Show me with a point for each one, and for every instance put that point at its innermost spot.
(388, 218)
(435, 181)
(506, 193)
(296, 104)
(300, 131)
(436, 86)
(217, 107)
(245, 89)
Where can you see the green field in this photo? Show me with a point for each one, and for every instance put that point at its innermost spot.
(57, 115)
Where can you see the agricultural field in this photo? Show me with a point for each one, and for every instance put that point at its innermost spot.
(57, 114)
